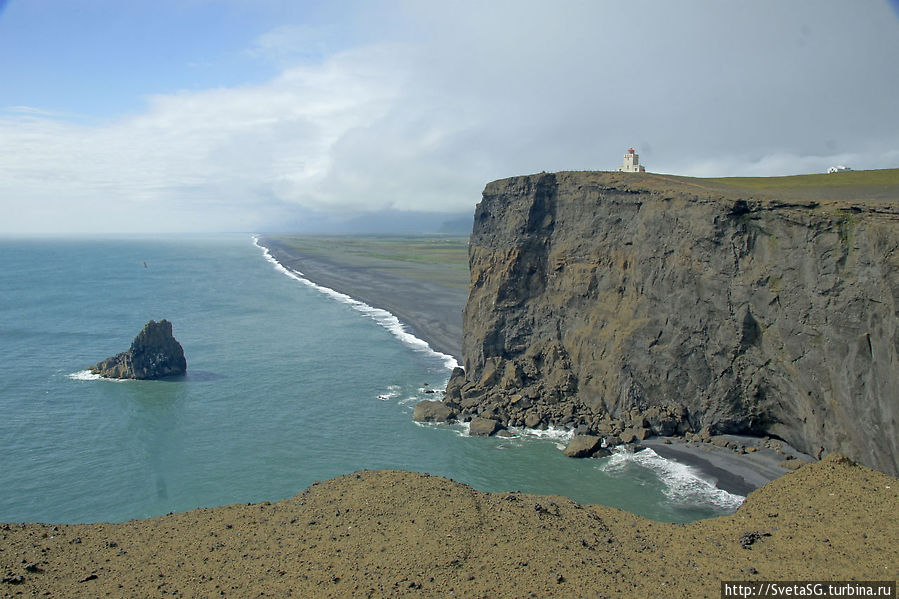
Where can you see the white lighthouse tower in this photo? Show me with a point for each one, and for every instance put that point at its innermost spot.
(631, 163)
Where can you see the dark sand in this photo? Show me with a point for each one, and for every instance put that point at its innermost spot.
(399, 534)
(431, 307)
(739, 473)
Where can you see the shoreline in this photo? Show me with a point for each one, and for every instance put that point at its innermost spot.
(430, 311)
(413, 304)
(739, 473)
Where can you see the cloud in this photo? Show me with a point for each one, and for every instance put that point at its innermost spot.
(291, 42)
(197, 159)
(454, 95)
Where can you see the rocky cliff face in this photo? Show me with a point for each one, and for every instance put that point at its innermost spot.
(598, 296)
(154, 354)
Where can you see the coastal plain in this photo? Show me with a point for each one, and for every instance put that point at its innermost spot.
(401, 534)
(422, 280)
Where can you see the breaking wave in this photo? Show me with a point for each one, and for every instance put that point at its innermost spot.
(682, 483)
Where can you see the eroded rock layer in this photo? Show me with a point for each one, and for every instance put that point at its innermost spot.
(659, 303)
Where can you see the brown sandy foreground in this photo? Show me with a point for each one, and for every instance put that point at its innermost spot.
(400, 534)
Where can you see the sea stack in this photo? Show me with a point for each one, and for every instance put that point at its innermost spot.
(154, 354)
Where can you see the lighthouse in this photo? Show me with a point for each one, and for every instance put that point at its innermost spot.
(631, 163)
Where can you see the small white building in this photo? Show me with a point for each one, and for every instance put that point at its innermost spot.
(838, 169)
(631, 163)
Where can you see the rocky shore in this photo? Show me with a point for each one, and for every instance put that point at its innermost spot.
(737, 463)
(401, 534)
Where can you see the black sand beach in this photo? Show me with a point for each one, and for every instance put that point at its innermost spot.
(732, 471)
(427, 298)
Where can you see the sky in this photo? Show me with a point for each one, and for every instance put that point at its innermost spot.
(277, 115)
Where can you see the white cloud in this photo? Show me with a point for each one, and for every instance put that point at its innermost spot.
(195, 159)
(288, 42)
(456, 95)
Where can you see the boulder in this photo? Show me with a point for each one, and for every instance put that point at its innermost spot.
(610, 427)
(583, 446)
(666, 420)
(532, 420)
(154, 354)
(483, 427)
(631, 434)
(453, 395)
(432, 411)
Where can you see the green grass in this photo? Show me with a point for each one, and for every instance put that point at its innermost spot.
(442, 260)
(450, 251)
(848, 179)
(866, 186)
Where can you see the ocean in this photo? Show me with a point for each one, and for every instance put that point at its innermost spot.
(288, 383)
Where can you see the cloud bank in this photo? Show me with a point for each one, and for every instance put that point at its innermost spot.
(447, 98)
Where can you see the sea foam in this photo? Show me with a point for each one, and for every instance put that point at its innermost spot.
(559, 436)
(84, 375)
(683, 484)
(382, 317)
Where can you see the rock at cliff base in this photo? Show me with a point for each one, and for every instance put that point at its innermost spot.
(483, 427)
(432, 411)
(633, 434)
(583, 446)
(532, 420)
(154, 354)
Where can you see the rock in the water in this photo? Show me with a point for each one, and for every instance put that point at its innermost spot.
(432, 411)
(154, 354)
(483, 427)
(583, 446)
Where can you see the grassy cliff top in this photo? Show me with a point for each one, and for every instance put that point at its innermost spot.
(872, 186)
(877, 190)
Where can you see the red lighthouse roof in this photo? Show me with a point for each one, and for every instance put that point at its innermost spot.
(631, 150)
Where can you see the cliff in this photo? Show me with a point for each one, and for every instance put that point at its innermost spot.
(724, 306)
(153, 354)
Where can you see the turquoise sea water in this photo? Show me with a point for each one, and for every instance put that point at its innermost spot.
(286, 385)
